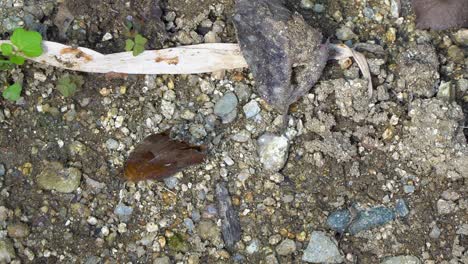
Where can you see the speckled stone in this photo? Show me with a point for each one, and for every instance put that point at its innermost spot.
(55, 177)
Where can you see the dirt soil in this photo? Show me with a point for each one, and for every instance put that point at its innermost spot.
(408, 141)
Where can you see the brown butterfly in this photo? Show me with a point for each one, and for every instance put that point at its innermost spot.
(441, 14)
(158, 156)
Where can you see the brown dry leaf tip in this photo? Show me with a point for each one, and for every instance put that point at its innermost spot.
(441, 14)
(158, 156)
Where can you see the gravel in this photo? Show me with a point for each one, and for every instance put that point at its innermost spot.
(322, 249)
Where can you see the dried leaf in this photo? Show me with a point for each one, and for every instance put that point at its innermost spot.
(342, 52)
(158, 156)
(283, 52)
(441, 14)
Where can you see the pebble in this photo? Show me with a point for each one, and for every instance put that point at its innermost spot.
(251, 109)
(208, 230)
(286, 247)
(401, 208)
(307, 4)
(435, 232)
(92, 220)
(123, 212)
(7, 251)
(189, 224)
(2, 170)
(253, 247)
(171, 182)
(273, 151)
(445, 207)
(322, 249)
(339, 220)
(241, 137)
(225, 107)
(371, 218)
(167, 109)
(55, 177)
(162, 260)
(152, 227)
(277, 177)
(456, 54)
(345, 33)
(319, 8)
(112, 144)
(408, 188)
(401, 260)
(461, 36)
(18, 230)
(107, 36)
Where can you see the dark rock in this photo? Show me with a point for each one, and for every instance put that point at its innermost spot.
(339, 220)
(230, 226)
(441, 14)
(283, 52)
(371, 218)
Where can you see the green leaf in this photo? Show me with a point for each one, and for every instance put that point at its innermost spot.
(67, 85)
(7, 49)
(13, 92)
(28, 42)
(138, 49)
(6, 65)
(18, 60)
(129, 44)
(139, 39)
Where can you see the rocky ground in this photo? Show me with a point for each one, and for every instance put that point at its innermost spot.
(353, 178)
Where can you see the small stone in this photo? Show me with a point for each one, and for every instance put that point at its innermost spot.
(286, 247)
(55, 177)
(112, 144)
(435, 232)
(122, 228)
(208, 230)
(401, 260)
(408, 188)
(445, 207)
(401, 208)
(162, 260)
(307, 4)
(197, 131)
(18, 230)
(92, 220)
(107, 36)
(339, 220)
(345, 33)
(2, 170)
(212, 37)
(167, 109)
(461, 36)
(253, 247)
(241, 137)
(371, 218)
(446, 91)
(319, 8)
(456, 54)
(152, 227)
(226, 106)
(7, 251)
(171, 182)
(277, 177)
(189, 224)
(123, 212)
(322, 249)
(450, 195)
(273, 151)
(271, 259)
(251, 109)
(40, 76)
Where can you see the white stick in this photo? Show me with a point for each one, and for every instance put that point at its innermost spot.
(200, 58)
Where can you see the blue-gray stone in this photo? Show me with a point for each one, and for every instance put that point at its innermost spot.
(171, 182)
(401, 260)
(196, 216)
(123, 212)
(408, 188)
(339, 220)
(401, 208)
(189, 224)
(322, 249)
(371, 218)
(226, 105)
(318, 8)
(2, 170)
(251, 109)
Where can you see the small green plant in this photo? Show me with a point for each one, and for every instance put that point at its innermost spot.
(24, 43)
(137, 46)
(135, 42)
(12, 92)
(68, 84)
